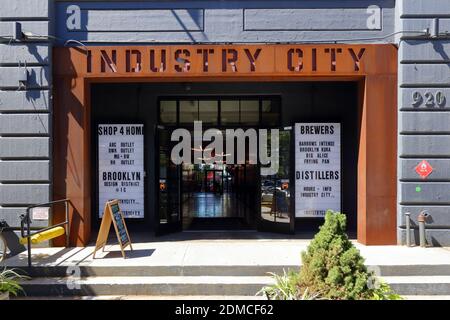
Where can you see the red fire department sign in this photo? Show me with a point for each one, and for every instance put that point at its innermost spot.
(424, 169)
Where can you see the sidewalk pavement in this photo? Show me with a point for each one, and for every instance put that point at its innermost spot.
(223, 252)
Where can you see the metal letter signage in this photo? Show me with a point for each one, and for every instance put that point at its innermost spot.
(121, 167)
(317, 169)
(188, 60)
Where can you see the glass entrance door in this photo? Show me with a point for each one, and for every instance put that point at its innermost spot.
(276, 195)
(221, 196)
(169, 186)
(214, 181)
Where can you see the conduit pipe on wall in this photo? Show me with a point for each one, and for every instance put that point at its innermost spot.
(408, 228)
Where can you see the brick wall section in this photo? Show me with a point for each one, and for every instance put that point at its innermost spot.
(424, 118)
(25, 113)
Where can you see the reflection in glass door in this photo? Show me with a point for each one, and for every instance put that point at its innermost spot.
(276, 201)
(221, 196)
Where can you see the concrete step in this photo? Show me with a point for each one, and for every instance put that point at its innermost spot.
(155, 286)
(431, 297)
(148, 271)
(219, 270)
(109, 297)
(419, 285)
(124, 297)
(202, 285)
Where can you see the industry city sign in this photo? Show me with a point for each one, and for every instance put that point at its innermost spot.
(198, 60)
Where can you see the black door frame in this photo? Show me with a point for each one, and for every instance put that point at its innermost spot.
(170, 227)
(268, 226)
(161, 229)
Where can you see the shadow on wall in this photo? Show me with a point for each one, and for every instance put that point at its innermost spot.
(439, 48)
(65, 12)
(188, 24)
(195, 17)
(33, 95)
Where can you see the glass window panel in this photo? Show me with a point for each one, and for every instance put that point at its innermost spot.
(270, 112)
(163, 165)
(249, 111)
(188, 111)
(268, 208)
(209, 111)
(229, 111)
(168, 111)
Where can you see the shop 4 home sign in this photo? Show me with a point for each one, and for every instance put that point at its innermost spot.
(198, 60)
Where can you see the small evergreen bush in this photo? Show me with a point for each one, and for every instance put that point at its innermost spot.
(332, 268)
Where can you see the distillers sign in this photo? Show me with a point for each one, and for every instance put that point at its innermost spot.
(121, 167)
(317, 168)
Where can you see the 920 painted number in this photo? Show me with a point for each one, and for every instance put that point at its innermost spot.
(428, 99)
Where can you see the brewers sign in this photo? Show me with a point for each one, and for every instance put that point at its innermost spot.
(317, 168)
(121, 167)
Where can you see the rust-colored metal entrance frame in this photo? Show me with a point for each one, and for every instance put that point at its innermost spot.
(374, 67)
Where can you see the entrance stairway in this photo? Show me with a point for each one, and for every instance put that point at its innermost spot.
(203, 282)
(152, 281)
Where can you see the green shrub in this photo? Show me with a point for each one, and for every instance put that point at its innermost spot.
(332, 265)
(9, 281)
(384, 292)
(332, 268)
(286, 287)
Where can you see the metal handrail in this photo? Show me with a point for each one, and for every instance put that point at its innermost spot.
(25, 219)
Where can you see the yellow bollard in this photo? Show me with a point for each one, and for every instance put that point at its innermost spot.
(45, 235)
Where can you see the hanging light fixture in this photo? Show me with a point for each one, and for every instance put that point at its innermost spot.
(201, 149)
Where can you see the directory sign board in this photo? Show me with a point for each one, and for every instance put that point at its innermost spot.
(317, 169)
(121, 167)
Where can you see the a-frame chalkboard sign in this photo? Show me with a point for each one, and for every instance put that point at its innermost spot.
(112, 214)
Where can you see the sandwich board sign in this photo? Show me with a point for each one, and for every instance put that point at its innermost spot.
(113, 215)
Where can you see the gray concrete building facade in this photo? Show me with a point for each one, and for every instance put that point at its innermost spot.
(38, 36)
